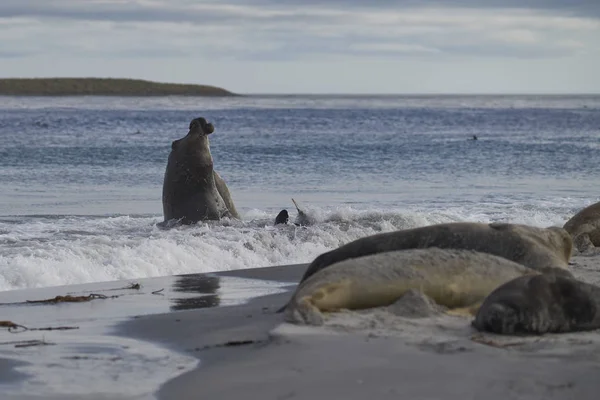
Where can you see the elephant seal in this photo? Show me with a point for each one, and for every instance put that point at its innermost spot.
(530, 246)
(584, 227)
(452, 278)
(192, 190)
(301, 220)
(545, 303)
(536, 248)
(282, 218)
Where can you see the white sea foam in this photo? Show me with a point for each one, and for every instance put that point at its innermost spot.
(48, 251)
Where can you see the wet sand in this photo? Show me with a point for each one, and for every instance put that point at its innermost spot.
(230, 348)
(247, 352)
(92, 360)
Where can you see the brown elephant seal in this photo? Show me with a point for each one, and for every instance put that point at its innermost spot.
(452, 278)
(536, 248)
(192, 190)
(530, 246)
(584, 227)
(545, 303)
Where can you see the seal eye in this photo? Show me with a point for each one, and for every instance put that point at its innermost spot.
(193, 124)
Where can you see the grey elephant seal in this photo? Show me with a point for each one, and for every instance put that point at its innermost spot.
(457, 279)
(584, 227)
(530, 246)
(192, 190)
(545, 303)
(536, 248)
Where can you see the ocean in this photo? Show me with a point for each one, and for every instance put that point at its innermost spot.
(81, 177)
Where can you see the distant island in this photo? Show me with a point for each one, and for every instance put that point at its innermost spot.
(102, 87)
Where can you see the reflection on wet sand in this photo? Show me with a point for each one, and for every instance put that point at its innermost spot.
(196, 283)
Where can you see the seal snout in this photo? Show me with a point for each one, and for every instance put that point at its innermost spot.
(201, 126)
(498, 318)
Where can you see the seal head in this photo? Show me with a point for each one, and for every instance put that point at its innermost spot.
(538, 304)
(282, 218)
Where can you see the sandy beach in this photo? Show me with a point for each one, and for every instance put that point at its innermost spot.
(234, 346)
(361, 354)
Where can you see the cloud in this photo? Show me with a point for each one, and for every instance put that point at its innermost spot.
(284, 30)
(182, 10)
(348, 33)
(14, 54)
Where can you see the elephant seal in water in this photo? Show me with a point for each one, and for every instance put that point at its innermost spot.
(192, 190)
(452, 278)
(282, 218)
(545, 303)
(301, 220)
(584, 227)
(536, 248)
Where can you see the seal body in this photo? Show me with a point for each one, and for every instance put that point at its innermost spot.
(452, 278)
(192, 190)
(584, 227)
(545, 303)
(533, 247)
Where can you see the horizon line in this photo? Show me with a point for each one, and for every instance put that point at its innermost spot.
(427, 94)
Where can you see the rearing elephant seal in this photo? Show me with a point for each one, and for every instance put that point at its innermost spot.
(584, 227)
(545, 303)
(452, 278)
(192, 190)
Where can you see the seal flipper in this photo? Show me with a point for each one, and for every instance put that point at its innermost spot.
(302, 217)
(225, 195)
(304, 313)
(282, 309)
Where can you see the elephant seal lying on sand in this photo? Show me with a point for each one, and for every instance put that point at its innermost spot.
(530, 246)
(584, 227)
(452, 278)
(192, 190)
(545, 303)
(536, 248)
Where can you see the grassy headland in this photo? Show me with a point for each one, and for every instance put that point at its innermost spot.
(102, 87)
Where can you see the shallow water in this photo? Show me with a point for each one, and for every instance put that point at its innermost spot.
(91, 360)
(81, 177)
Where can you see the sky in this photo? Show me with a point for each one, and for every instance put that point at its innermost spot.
(311, 46)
